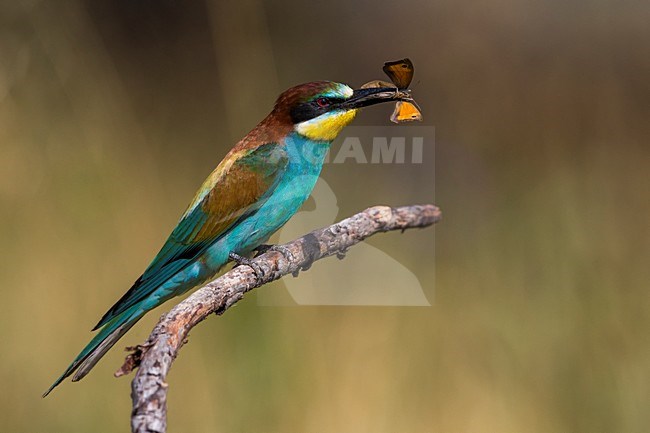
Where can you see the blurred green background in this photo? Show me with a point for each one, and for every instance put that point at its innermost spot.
(113, 112)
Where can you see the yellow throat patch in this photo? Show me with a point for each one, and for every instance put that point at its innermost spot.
(327, 126)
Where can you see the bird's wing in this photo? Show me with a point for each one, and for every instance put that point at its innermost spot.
(241, 183)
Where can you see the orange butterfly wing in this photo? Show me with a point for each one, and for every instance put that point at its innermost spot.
(406, 112)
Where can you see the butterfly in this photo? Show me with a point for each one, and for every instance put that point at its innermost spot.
(405, 112)
(400, 73)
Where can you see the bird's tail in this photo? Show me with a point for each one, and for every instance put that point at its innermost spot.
(98, 346)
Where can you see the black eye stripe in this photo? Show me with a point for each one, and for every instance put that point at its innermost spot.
(311, 109)
(304, 111)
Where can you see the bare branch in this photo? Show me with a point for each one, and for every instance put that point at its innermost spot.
(155, 357)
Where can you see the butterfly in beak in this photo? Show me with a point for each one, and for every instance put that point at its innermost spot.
(400, 73)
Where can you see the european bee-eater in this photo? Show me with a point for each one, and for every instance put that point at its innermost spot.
(257, 187)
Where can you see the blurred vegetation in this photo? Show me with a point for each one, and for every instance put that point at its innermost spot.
(113, 112)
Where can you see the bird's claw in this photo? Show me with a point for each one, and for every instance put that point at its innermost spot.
(286, 252)
(240, 260)
(261, 249)
(279, 248)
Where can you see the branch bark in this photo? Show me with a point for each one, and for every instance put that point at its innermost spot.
(155, 357)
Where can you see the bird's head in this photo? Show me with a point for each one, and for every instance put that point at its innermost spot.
(321, 109)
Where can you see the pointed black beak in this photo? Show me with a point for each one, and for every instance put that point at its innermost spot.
(375, 95)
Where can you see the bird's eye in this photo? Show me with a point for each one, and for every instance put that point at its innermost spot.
(322, 102)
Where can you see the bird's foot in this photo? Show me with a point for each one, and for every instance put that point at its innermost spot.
(261, 249)
(279, 248)
(240, 260)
